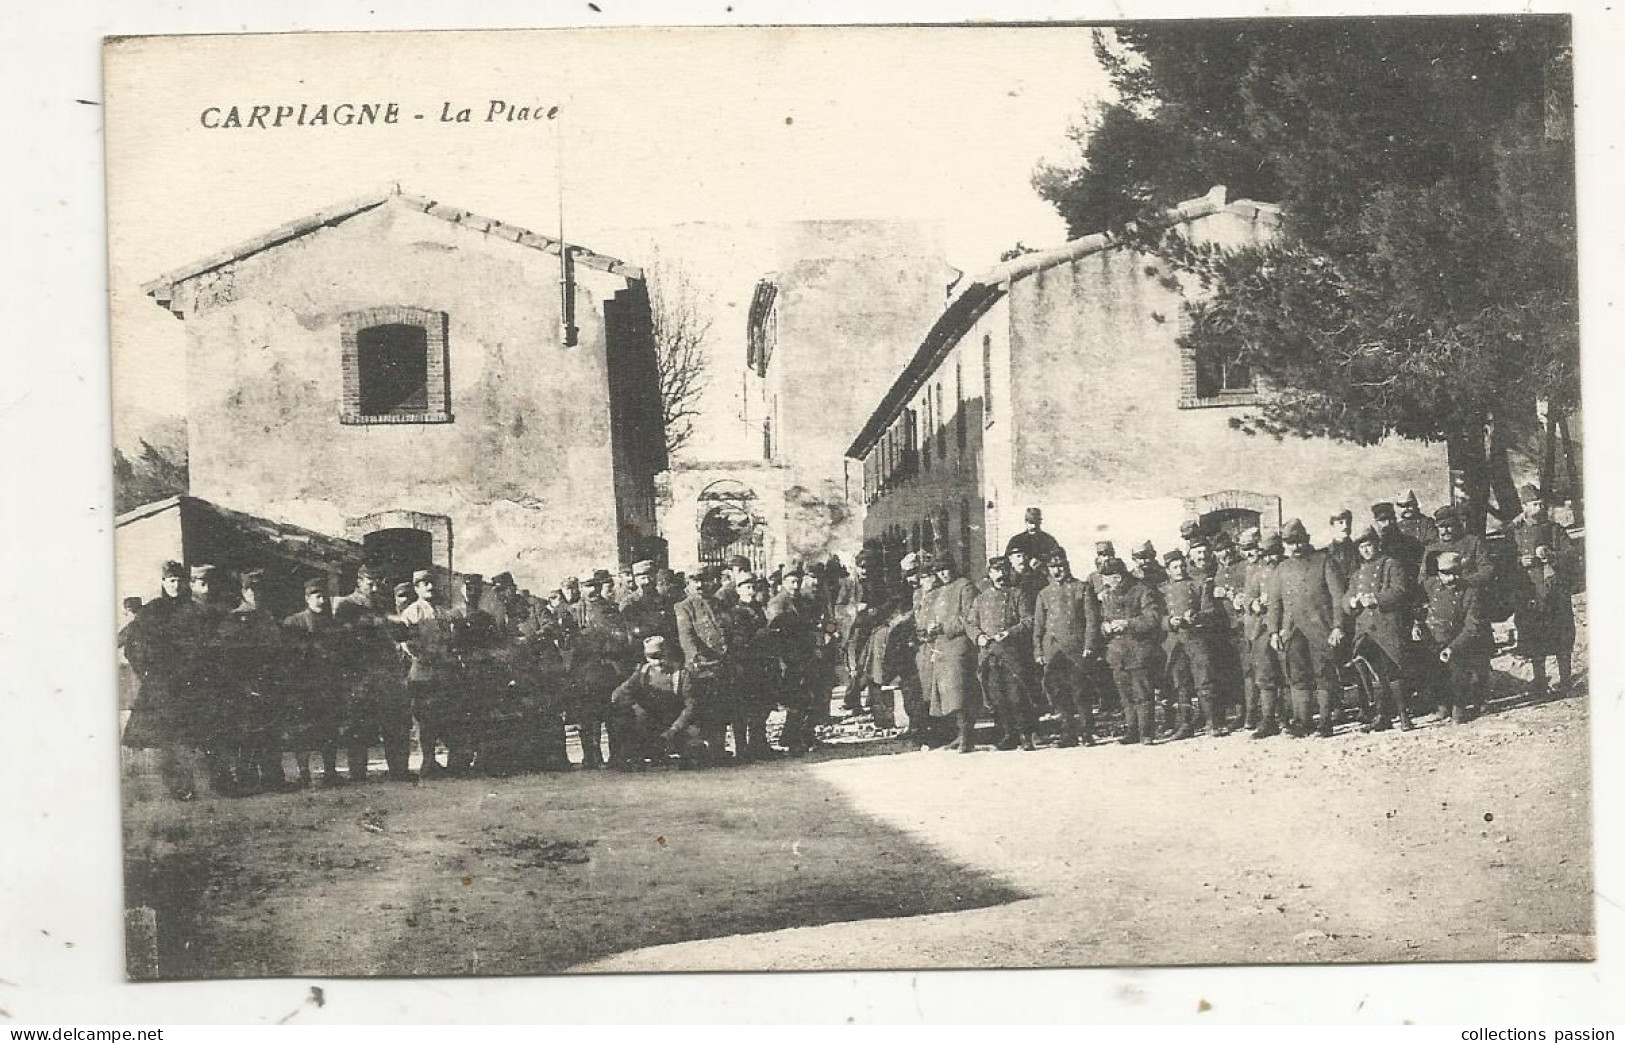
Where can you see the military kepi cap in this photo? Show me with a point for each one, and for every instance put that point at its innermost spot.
(422, 576)
(251, 578)
(1104, 549)
(1189, 529)
(1382, 511)
(1145, 550)
(1409, 499)
(204, 572)
(1034, 514)
(1343, 515)
(1368, 535)
(601, 576)
(647, 567)
(1251, 537)
(1529, 492)
(1272, 544)
(315, 585)
(1294, 532)
(1172, 556)
(1113, 567)
(998, 561)
(503, 579)
(403, 589)
(1058, 558)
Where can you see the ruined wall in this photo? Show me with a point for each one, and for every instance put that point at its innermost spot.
(523, 470)
(855, 298)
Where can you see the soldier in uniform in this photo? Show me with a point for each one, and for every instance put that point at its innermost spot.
(1396, 544)
(924, 726)
(647, 613)
(1380, 602)
(1192, 618)
(702, 630)
(1066, 640)
(816, 606)
(1340, 548)
(755, 666)
(892, 656)
(1266, 677)
(1145, 567)
(1460, 634)
(1036, 546)
(1229, 573)
(794, 643)
(954, 692)
(1131, 623)
(214, 696)
(859, 603)
(1200, 562)
(371, 661)
(1001, 622)
(1545, 614)
(598, 662)
(654, 712)
(431, 668)
(1308, 620)
(158, 653)
(1415, 524)
(481, 675)
(317, 677)
(252, 644)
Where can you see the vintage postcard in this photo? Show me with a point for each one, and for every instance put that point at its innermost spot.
(837, 498)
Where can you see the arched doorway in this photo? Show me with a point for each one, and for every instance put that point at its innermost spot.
(730, 524)
(394, 554)
(403, 540)
(1234, 511)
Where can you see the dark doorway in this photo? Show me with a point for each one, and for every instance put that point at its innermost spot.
(396, 553)
(1234, 520)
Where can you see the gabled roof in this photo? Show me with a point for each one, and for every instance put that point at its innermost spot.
(979, 294)
(162, 289)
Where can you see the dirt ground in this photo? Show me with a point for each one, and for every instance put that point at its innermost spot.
(1446, 843)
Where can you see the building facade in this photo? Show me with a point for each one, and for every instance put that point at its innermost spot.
(1056, 380)
(439, 388)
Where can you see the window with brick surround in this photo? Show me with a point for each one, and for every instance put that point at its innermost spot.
(394, 362)
(1212, 378)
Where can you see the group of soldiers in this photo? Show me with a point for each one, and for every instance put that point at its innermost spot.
(1262, 633)
(666, 667)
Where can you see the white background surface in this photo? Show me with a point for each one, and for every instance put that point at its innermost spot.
(60, 889)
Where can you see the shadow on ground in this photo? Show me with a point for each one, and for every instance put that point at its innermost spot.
(520, 875)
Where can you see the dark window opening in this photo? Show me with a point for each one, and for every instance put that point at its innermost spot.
(392, 363)
(1217, 372)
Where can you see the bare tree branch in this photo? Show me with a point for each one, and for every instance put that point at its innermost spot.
(682, 324)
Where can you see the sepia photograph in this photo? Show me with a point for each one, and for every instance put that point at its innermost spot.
(841, 498)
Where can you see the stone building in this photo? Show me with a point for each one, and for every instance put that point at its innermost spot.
(437, 388)
(1056, 380)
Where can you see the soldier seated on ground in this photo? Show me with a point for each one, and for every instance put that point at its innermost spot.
(653, 714)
